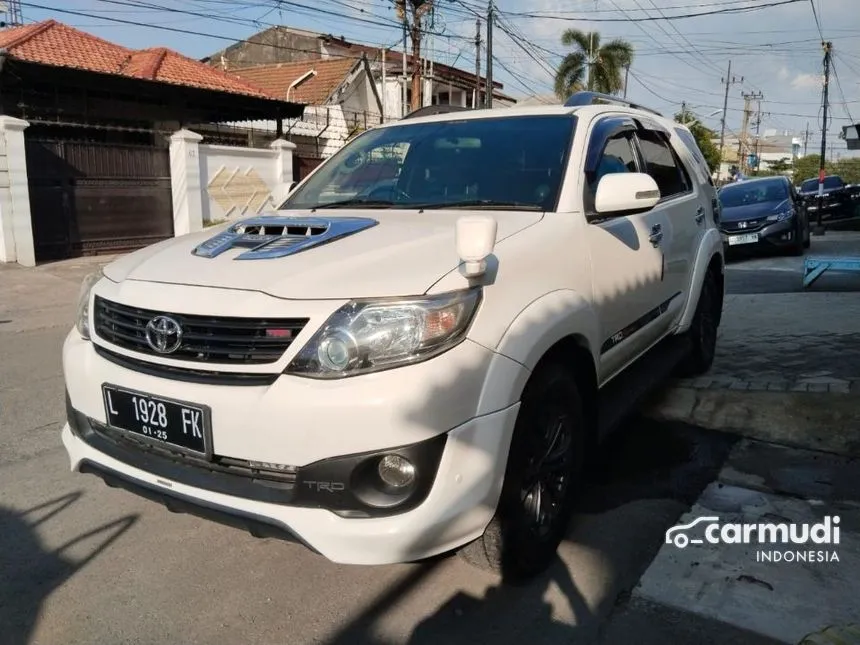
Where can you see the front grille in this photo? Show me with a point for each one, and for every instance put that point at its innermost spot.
(750, 225)
(204, 338)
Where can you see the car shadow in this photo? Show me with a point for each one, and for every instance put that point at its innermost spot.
(640, 482)
(31, 571)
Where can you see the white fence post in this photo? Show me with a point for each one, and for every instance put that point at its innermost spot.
(283, 168)
(16, 225)
(185, 182)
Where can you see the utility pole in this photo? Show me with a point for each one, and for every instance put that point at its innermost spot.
(757, 134)
(490, 55)
(819, 227)
(13, 13)
(744, 145)
(477, 101)
(805, 138)
(728, 80)
(416, 10)
(404, 95)
(626, 76)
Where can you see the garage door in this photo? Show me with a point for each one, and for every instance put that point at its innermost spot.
(88, 198)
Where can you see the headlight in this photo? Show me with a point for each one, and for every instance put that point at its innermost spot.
(373, 335)
(779, 217)
(83, 318)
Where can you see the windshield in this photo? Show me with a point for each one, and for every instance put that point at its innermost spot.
(753, 193)
(811, 185)
(507, 162)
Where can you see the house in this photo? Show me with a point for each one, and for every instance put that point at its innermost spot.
(771, 147)
(97, 120)
(444, 84)
(340, 96)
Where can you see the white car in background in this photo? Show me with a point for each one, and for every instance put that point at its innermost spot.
(423, 366)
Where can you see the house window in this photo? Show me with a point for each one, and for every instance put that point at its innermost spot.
(443, 98)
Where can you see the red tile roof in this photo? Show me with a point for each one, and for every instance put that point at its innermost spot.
(53, 43)
(276, 79)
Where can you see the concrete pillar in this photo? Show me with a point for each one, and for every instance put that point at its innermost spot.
(16, 225)
(284, 151)
(185, 182)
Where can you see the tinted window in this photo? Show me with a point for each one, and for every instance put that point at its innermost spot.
(663, 165)
(504, 159)
(691, 144)
(617, 156)
(753, 193)
(812, 184)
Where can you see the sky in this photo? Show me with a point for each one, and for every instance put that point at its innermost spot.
(775, 51)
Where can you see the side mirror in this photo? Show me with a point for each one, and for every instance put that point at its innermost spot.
(475, 239)
(626, 192)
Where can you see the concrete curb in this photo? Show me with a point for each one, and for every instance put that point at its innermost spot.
(824, 421)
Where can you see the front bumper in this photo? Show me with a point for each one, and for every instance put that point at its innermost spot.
(431, 408)
(776, 235)
(458, 508)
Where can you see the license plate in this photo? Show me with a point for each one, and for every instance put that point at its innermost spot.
(159, 420)
(748, 238)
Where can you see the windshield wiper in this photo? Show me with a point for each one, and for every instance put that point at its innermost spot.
(482, 203)
(364, 203)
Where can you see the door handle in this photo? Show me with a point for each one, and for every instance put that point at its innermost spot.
(700, 214)
(656, 235)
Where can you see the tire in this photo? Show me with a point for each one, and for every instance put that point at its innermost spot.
(703, 330)
(807, 241)
(517, 545)
(798, 246)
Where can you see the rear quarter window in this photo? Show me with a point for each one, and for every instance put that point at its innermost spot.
(690, 142)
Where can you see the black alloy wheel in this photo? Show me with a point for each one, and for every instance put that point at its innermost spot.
(544, 464)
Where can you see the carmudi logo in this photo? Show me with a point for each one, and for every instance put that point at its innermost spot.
(710, 530)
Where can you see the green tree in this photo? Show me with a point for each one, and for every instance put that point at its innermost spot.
(807, 168)
(602, 72)
(704, 138)
(780, 166)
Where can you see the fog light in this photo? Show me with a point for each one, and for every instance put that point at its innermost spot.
(396, 471)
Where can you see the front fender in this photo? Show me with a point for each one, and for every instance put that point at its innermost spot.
(711, 244)
(546, 321)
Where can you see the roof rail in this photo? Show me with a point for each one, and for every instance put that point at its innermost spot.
(592, 98)
(430, 110)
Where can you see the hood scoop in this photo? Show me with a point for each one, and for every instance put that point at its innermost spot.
(276, 236)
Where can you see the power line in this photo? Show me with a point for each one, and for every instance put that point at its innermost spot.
(179, 30)
(839, 86)
(815, 15)
(728, 10)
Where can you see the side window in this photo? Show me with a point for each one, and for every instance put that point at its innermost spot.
(617, 156)
(663, 165)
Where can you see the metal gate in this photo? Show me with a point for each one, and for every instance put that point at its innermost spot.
(88, 198)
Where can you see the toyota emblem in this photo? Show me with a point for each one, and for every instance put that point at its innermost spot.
(164, 334)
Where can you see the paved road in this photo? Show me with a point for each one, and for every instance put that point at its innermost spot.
(83, 563)
(771, 273)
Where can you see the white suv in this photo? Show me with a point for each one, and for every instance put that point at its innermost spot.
(420, 349)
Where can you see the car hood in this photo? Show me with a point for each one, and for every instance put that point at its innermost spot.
(382, 253)
(752, 211)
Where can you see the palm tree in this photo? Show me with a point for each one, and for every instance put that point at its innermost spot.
(600, 72)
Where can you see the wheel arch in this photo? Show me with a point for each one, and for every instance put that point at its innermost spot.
(708, 258)
(560, 326)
